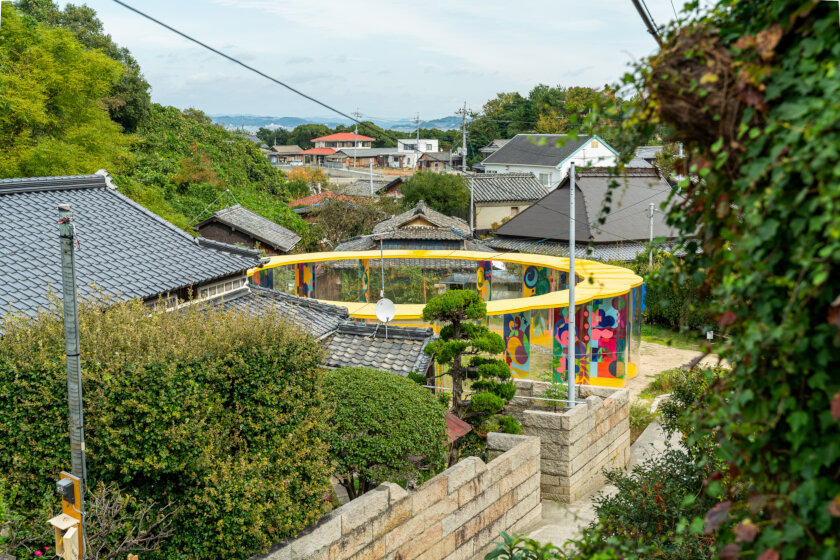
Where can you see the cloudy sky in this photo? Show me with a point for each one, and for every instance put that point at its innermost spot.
(389, 59)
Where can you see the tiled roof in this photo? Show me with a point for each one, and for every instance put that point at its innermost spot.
(647, 152)
(319, 151)
(437, 156)
(628, 220)
(506, 187)
(317, 199)
(256, 226)
(320, 319)
(124, 249)
(343, 137)
(455, 427)
(365, 345)
(535, 149)
(620, 251)
(423, 211)
(287, 150)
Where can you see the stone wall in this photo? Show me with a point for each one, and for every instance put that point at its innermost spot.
(455, 515)
(576, 444)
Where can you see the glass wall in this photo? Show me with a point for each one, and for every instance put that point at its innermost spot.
(607, 330)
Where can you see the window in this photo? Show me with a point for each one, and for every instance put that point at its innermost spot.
(595, 144)
(545, 179)
(411, 146)
(428, 147)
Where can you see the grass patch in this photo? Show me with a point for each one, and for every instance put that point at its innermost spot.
(662, 383)
(640, 418)
(688, 340)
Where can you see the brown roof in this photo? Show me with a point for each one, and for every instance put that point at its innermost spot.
(455, 427)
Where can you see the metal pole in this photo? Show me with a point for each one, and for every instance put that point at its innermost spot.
(648, 23)
(650, 246)
(570, 349)
(371, 177)
(382, 273)
(464, 168)
(72, 348)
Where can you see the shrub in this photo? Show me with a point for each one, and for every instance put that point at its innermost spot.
(386, 428)
(559, 391)
(216, 412)
(510, 425)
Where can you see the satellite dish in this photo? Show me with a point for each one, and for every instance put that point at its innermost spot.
(385, 310)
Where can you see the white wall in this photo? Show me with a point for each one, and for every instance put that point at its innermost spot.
(486, 216)
(598, 156)
(424, 145)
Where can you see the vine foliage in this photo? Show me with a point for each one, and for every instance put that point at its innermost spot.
(752, 89)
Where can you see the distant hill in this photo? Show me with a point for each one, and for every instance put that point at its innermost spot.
(253, 122)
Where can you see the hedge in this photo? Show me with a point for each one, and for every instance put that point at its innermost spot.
(219, 413)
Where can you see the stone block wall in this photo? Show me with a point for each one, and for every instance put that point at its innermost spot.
(455, 515)
(576, 444)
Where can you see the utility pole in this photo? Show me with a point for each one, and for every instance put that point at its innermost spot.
(651, 211)
(67, 235)
(651, 27)
(463, 113)
(371, 176)
(417, 141)
(570, 348)
(358, 116)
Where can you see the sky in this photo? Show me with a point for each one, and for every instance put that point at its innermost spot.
(387, 59)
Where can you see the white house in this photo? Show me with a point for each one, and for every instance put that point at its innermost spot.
(549, 156)
(414, 148)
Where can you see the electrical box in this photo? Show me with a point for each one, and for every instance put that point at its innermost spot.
(67, 532)
(69, 488)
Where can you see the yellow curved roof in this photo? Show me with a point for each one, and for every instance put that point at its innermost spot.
(599, 280)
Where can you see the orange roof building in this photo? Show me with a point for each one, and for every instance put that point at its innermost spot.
(343, 140)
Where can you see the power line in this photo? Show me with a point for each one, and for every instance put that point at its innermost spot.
(648, 21)
(247, 67)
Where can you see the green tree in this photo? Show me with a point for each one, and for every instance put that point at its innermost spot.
(751, 90)
(129, 99)
(186, 167)
(461, 337)
(53, 90)
(303, 134)
(386, 428)
(440, 191)
(274, 136)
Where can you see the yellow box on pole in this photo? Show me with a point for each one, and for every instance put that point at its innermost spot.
(69, 538)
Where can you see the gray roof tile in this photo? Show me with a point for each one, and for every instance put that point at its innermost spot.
(256, 226)
(124, 249)
(365, 345)
(506, 187)
(535, 149)
(320, 319)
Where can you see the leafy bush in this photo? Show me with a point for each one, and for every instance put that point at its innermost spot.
(558, 391)
(219, 414)
(750, 89)
(386, 428)
(649, 515)
(510, 425)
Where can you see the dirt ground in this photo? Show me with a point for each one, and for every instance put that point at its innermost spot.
(658, 357)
